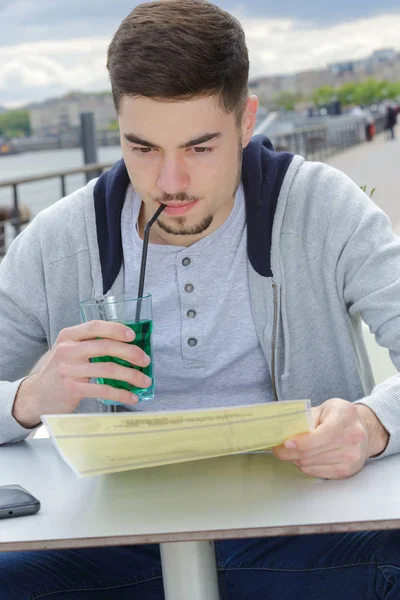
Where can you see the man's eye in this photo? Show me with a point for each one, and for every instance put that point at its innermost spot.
(142, 150)
(201, 150)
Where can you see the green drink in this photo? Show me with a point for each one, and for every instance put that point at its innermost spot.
(143, 331)
(135, 313)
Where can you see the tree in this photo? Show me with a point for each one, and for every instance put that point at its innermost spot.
(369, 91)
(393, 90)
(346, 93)
(15, 123)
(323, 95)
(287, 100)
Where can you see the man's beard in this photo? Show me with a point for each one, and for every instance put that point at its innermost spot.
(182, 229)
(179, 227)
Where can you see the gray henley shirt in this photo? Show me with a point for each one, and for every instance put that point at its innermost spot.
(206, 351)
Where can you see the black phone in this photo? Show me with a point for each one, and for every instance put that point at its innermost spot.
(15, 501)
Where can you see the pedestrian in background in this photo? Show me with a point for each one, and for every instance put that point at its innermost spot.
(391, 121)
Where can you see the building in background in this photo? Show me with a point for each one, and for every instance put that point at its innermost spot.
(371, 65)
(381, 64)
(60, 116)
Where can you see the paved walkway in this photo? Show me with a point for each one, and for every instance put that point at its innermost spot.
(375, 164)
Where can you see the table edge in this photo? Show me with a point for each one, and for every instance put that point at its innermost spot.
(191, 536)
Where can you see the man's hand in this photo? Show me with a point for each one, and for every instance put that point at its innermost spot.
(345, 436)
(63, 376)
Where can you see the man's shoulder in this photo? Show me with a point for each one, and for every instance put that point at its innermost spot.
(323, 199)
(72, 205)
(319, 173)
(319, 184)
(67, 226)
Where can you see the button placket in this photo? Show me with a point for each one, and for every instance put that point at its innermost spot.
(191, 331)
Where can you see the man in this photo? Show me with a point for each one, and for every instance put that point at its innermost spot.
(260, 268)
(391, 121)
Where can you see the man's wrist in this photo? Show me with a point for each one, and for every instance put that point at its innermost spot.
(24, 410)
(378, 436)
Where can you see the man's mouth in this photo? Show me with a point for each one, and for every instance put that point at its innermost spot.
(177, 203)
(179, 208)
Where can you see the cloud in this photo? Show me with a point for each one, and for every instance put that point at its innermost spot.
(287, 46)
(313, 11)
(37, 20)
(33, 71)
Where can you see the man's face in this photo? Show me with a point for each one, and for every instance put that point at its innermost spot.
(187, 155)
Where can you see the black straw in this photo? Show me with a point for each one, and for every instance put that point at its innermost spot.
(144, 258)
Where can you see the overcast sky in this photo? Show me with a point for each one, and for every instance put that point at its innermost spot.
(48, 47)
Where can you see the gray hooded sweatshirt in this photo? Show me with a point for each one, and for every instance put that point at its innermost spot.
(322, 257)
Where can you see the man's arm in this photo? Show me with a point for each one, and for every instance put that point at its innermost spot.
(377, 435)
(63, 376)
(23, 310)
(361, 250)
(368, 277)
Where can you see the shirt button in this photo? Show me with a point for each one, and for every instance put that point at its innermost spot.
(186, 261)
(192, 342)
(189, 288)
(191, 314)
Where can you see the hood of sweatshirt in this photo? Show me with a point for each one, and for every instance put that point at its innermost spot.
(263, 172)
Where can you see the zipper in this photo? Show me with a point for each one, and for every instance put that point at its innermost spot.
(273, 340)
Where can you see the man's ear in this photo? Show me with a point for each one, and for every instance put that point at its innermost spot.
(249, 119)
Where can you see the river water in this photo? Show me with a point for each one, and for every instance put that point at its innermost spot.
(41, 194)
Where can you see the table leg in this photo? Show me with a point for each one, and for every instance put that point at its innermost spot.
(189, 571)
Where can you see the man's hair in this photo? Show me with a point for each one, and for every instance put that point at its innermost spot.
(179, 50)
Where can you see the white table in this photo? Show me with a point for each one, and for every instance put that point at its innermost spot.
(184, 507)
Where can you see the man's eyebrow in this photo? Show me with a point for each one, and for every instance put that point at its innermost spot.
(134, 139)
(207, 137)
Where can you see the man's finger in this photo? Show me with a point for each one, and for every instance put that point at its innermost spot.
(349, 438)
(106, 392)
(323, 436)
(104, 347)
(347, 455)
(328, 436)
(97, 329)
(291, 455)
(337, 423)
(337, 471)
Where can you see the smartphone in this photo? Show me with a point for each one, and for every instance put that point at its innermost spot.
(15, 501)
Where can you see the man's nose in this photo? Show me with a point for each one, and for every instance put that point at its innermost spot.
(173, 177)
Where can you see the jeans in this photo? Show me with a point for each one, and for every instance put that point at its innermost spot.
(390, 133)
(351, 566)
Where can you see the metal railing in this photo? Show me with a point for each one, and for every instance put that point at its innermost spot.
(18, 215)
(318, 142)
